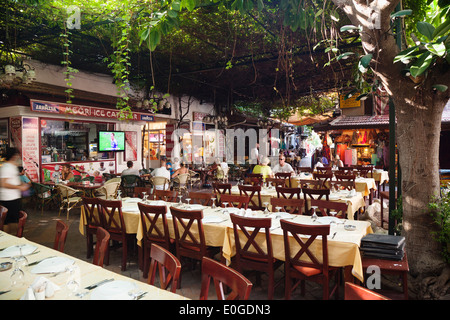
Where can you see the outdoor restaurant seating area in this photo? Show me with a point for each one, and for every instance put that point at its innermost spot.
(261, 237)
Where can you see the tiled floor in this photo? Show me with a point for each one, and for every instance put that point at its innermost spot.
(40, 228)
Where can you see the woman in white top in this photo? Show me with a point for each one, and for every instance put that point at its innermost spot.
(11, 188)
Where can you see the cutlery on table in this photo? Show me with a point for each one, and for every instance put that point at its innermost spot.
(36, 262)
(333, 235)
(2, 292)
(98, 284)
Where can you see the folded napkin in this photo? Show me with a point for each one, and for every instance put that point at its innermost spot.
(40, 289)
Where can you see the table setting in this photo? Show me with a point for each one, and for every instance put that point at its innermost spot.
(47, 274)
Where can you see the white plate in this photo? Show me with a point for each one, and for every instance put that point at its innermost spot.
(328, 220)
(213, 219)
(52, 265)
(114, 290)
(133, 200)
(157, 203)
(195, 207)
(15, 250)
(232, 210)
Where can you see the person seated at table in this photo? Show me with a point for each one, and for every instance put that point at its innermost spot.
(263, 168)
(130, 171)
(212, 170)
(282, 166)
(176, 164)
(181, 170)
(97, 177)
(161, 172)
(66, 172)
(25, 178)
(337, 161)
(318, 164)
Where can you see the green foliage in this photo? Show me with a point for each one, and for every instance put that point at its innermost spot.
(439, 209)
(69, 70)
(397, 215)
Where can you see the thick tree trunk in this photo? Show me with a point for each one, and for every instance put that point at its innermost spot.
(419, 112)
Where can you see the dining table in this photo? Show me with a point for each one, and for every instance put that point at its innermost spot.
(63, 277)
(88, 188)
(355, 200)
(343, 244)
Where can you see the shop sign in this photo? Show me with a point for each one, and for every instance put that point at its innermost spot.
(350, 102)
(85, 111)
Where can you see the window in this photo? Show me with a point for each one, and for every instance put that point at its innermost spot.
(66, 141)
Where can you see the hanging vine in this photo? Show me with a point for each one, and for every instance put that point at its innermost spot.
(69, 70)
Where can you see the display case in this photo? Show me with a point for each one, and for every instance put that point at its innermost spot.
(364, 153)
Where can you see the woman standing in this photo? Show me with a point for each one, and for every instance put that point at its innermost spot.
(11, 188)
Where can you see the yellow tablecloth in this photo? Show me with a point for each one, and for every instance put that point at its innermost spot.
(89, 274)
(380, 176)
(355, 202)
(362, 185)
(344, 248)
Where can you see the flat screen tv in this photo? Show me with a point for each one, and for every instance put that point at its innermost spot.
(111, 141)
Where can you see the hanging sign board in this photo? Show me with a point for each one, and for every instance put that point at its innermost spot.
(350, 102)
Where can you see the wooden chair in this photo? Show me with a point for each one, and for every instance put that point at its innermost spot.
(235, 201)
(93, 221)
(343, 185)
(190, 239)
(224, 278)
(166, 195)
(276, 182)
(61, 235)
(304, 264)
(254, 179)
(323, 169)
(3, 213)
(254, 194)
(203, 198)
(346, 170)
(326, 207)
(286, 176)
(169, 268)
(101, 247)
(355, 292)
(154, 233)
(70, 198)
(22, 219)
(111, 211)
(221, 188)
(293, 206)
(288, 193)
(344, 177)
(138, 192)
(317, 194)
(364, 172)
(250, 255)
(311, 184)
(323, 176)
(305, 169)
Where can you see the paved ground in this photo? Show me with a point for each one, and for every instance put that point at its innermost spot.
(40, 228)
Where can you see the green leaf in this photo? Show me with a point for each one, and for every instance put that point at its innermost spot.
(401, 13)
(436, 48)
(345, 55)
(172, 13)
(426, 29)
(421, 64)
(406, 54)
(362, 96)
(176, 5)
(440, 87)
(442, 29)
(143, 35)
(363, 64)
(155, 38)
(349, 28)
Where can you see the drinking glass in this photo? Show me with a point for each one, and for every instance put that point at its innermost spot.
(225, 205)
(72, 283)
(144, 195)
(119, 194)
(213, 203)
(145, 198)
(179, 202)
(188, 200)
(266, 206)
(17, 276)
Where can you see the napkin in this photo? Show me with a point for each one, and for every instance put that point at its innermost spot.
(40, 289)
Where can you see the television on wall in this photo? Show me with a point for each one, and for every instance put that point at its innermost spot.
(111, 141)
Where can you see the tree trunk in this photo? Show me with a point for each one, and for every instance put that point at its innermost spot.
(419, 113)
